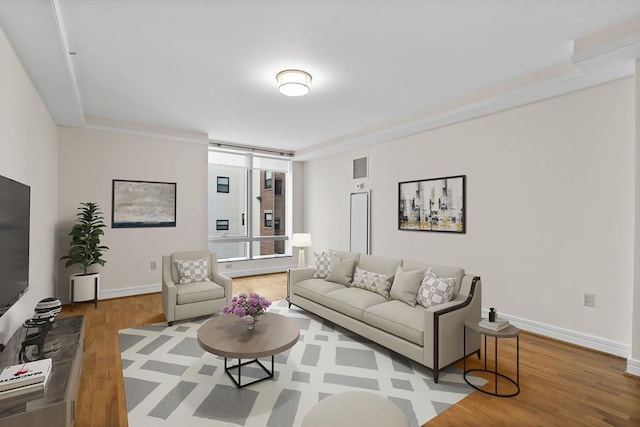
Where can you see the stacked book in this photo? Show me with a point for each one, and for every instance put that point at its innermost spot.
(498, 325)
(24, 378)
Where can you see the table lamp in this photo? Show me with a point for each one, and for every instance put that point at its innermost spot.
(301, 240)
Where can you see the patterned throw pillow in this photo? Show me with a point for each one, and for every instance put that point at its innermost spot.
(434, 290)
(374, 282)
(322, 263)
(195, 270)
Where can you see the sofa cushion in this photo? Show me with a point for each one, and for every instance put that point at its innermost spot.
(374, 282)
(316, 289)
(405, 285)
(438, 270)
(192, 270)
(352, 301)
(379, 264)
(341, 270)
(434, 290)
(322, 263)
(398, 319)
(198, 291)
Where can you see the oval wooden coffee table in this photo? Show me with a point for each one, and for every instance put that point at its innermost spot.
(226, 336)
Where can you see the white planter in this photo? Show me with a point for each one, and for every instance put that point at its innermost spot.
(82, 287)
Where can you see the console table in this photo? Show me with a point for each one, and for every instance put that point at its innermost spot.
(56, 405)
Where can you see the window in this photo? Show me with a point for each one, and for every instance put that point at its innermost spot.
(267, 179)
(222, 224)
(256, 210)
(223, 184)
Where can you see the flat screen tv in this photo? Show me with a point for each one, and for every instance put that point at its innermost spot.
(15, 210)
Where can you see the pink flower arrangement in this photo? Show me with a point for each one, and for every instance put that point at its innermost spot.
(248, 307)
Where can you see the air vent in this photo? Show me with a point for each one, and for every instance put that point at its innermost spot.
(360, 168)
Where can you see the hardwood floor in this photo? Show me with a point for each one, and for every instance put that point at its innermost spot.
(561, 384)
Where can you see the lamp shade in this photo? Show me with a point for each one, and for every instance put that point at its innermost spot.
(293, 82)
(301, 240)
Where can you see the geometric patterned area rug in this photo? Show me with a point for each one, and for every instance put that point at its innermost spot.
(171, 381)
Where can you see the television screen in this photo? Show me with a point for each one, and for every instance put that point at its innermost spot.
(14, 241)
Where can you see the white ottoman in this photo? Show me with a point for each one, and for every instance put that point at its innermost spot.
(355, 408)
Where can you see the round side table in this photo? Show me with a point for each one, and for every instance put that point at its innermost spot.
(508, 332)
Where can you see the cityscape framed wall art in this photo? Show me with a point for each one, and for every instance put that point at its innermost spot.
(437, 204)
(143, 204)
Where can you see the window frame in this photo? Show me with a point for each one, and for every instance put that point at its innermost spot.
(254, 165)
(219, 185)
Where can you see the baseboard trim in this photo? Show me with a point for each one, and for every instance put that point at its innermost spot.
(257, 271)
(633, 367)
(134, 290)
(567, 335)
(157, 287)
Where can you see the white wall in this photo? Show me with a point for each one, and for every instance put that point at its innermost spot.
(88, 162)
(28, 154)
(549, 209)
(633, 363)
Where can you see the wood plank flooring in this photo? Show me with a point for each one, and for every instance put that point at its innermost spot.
(561, 384)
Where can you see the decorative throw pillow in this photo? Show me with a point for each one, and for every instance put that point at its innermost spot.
(323, 263)
(406, 284)
(341, 270)
(195, 270)
(434, 290)
(374, 282)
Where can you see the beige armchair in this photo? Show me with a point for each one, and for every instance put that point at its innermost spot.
(196, 298)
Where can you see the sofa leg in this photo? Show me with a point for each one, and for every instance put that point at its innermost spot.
(170, 323)
(435, 375)
(478, 354)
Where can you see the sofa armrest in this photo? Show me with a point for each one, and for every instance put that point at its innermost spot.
(226, 282)
(444, 326)
(169, 291)
(297, 275)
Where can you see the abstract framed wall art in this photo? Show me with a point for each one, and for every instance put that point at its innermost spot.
(143, 204)
(433, 205)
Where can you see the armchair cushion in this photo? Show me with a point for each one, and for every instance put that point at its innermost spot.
(198, 291)
(190, 271)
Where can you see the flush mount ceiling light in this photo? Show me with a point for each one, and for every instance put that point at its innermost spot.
(293, 82)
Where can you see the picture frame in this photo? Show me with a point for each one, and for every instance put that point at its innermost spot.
(136, 204)
(435, 204)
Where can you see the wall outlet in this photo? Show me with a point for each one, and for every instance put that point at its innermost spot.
(154, 265)
(228, 266)
(589, 300)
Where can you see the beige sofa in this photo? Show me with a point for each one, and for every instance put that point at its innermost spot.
(430, 336)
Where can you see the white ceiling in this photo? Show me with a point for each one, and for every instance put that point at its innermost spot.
(381, 69)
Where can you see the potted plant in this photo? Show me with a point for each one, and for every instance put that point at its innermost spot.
(85, 250)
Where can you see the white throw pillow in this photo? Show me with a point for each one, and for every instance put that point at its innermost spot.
(192, 270)
(374, 282)
(323, 264)
(341, 270)
(406, 284)
(434, 290)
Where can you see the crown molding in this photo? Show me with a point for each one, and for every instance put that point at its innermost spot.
(598, 58)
